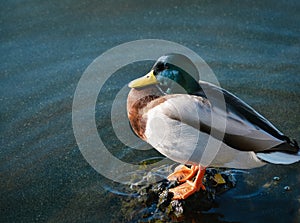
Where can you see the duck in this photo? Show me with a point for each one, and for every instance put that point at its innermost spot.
(199, 125)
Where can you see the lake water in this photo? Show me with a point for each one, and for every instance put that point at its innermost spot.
(253, 48)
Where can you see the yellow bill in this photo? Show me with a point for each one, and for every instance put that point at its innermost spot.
(146, 80)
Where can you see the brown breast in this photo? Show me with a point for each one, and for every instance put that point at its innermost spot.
(137, 106)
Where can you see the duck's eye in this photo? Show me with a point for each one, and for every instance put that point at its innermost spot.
(160, 66)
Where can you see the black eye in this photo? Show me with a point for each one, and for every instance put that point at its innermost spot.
(159, 67)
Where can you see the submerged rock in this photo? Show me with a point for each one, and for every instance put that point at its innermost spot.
(153, 202)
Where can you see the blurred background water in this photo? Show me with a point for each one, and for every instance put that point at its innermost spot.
(252, 47)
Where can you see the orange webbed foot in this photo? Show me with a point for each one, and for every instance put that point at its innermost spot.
(186, 174)
(183, 173)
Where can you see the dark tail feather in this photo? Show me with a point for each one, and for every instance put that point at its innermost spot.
(285, 153)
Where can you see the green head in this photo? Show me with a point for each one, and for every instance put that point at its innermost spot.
(173, 73)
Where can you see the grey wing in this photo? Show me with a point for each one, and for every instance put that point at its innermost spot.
(238, 111)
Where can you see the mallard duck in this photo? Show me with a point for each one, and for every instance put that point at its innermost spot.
(177, 114)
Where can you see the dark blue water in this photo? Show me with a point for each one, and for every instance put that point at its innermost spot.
(253, 48)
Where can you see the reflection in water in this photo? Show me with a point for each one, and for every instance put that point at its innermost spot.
(253, 49)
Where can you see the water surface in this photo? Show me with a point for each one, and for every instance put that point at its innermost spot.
(253, 48)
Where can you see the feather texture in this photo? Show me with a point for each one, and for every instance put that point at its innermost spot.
(173, 129)
(205, 124)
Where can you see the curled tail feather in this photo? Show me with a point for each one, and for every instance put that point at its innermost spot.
(282, 155)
